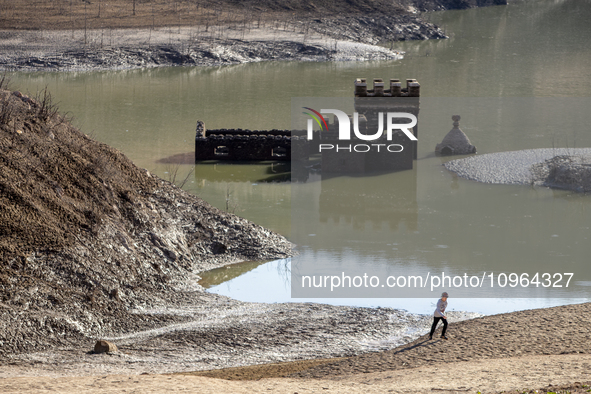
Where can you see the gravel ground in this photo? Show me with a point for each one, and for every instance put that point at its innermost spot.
(510, 168)
(222, 333)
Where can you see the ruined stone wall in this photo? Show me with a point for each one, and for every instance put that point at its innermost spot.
(243, 145)
(354, 156)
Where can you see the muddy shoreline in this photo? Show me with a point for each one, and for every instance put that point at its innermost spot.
(214, 332)
(345, 38)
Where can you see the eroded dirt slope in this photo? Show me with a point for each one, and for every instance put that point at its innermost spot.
(85, 235)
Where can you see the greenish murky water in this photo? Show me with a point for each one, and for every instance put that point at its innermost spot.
(519, 75)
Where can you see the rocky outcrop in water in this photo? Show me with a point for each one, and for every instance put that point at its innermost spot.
(569, 172)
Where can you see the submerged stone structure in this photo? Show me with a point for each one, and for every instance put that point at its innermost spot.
(385, 155)
(242, 145)
(353, 156)
(456, 142)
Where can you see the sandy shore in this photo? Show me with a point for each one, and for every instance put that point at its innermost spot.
(514, 351)
(486, 376)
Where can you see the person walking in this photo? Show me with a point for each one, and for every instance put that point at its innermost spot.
(440, 315)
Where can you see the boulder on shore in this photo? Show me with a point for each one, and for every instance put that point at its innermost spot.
(103, 346)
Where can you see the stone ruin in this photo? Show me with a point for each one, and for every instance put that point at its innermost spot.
(413, 88)
(456, 142)
(288, 145)
(242, 145)
(384, 97)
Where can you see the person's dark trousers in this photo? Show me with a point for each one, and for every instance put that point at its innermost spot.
(434, 326)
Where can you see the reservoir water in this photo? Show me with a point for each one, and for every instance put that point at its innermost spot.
(519, 75)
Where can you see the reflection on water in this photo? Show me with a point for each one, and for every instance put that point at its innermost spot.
(260, 172)
(256, 191)
(275, 275)
(367, 200)
(224, 274)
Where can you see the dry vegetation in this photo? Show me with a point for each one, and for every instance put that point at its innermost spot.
(78, 14)
(102, 14)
